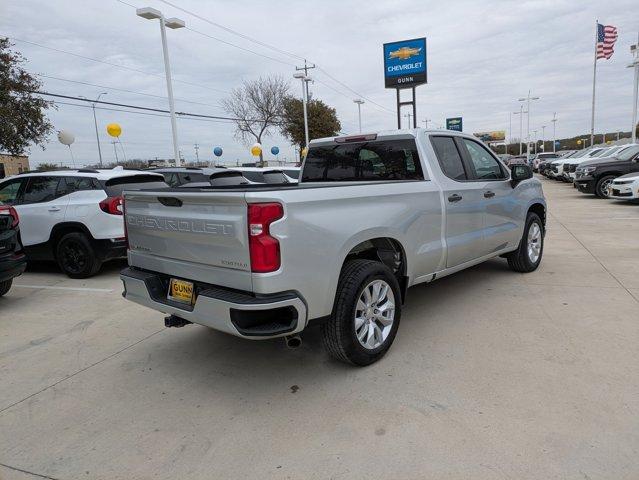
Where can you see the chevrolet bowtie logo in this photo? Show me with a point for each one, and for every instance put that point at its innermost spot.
(404, 53)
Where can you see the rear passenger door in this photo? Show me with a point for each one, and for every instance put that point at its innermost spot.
(502, 213)
(463, 200)
(41, 206)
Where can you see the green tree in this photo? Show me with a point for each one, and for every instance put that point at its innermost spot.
(22, 113)
(322, 121)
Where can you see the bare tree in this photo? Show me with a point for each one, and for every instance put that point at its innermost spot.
(257, 106)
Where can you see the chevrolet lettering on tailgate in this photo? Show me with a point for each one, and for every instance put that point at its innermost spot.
(180, 225)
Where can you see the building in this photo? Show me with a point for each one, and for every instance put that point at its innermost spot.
(13, 164)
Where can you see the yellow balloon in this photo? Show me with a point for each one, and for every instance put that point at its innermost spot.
(114, 129)
(578, 142)
(304, 152)
(256, 150)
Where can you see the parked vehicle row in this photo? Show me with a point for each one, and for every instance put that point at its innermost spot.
(607, 172)
(74, 217)
(371, 216)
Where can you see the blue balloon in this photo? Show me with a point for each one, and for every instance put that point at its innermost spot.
(275, 150)
(218, 151)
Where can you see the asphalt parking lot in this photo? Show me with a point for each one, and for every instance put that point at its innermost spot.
(493, 375)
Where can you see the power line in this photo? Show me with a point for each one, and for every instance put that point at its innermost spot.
(149, 109)
(123, 90)
(229, 30)
(84, 57)
(259, 42)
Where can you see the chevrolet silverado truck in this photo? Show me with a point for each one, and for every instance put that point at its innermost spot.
(371, 216)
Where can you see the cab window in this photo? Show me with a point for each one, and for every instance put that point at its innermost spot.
(449, 158)
(482, 162)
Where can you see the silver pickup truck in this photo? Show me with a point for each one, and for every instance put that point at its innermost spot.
(371, 216)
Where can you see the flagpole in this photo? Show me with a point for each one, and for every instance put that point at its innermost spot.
(594, 83)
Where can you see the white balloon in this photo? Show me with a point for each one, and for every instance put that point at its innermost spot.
(66, 137)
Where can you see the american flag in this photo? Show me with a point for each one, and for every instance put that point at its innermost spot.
(606, 38)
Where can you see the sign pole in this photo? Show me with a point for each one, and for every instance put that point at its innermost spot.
(399, 114)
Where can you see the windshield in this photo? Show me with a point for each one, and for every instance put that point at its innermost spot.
(628, 153)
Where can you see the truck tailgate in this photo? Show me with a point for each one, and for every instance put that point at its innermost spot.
(198, 236)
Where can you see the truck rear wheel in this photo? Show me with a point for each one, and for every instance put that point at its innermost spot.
(366, 313)
(528, 255)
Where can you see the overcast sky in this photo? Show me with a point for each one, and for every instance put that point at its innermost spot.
(482, 56)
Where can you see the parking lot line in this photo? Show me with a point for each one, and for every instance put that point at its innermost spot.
(78, 289)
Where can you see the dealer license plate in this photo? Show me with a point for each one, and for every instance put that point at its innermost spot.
(181, 291)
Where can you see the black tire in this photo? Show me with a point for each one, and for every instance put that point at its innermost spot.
(519, 260)
(600, 189)
(76, 256)
(339, 336)
(5, 286)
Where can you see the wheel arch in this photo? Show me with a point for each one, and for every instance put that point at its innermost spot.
(61, 229)
(385, 249)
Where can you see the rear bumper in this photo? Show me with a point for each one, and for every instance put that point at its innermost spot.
(239, 313)
(12, 266)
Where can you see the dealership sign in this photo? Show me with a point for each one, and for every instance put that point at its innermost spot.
(405, 63)
(454, 124)
(495, 136)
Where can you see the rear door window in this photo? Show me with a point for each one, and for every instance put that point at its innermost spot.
(449, 158)
(368, 161)
(40, 189)
(115, 186)
(9, 191)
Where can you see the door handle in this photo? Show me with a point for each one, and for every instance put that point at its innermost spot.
(454, 198)
(489, 194)
(54, 209)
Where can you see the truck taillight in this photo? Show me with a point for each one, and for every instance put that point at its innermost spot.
(112, 205)
(126, 232)
(264, 249)
(9, 210)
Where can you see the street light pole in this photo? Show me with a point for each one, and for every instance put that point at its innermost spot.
(426, 120)
(527, 100)
(408, 115)
(554, 131)
(635, 94)
(95, 122)
(543, 138)
(359, 103)
(173, 23)
(521, 127)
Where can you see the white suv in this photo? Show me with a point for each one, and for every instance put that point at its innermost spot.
(74, 216)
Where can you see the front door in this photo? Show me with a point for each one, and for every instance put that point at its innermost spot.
(501, 211)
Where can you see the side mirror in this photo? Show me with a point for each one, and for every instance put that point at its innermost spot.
(520, 173)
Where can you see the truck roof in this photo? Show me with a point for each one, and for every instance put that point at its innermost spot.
(382, 135)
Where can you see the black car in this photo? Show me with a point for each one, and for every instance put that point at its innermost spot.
(12, 259)
(595, 176)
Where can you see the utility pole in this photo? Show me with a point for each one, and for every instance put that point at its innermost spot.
(425, 121)
(543, 138)
(535, 144)
(634, 49)
(554, 131)
(115, 150)
(305, 79)
(196, 147)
